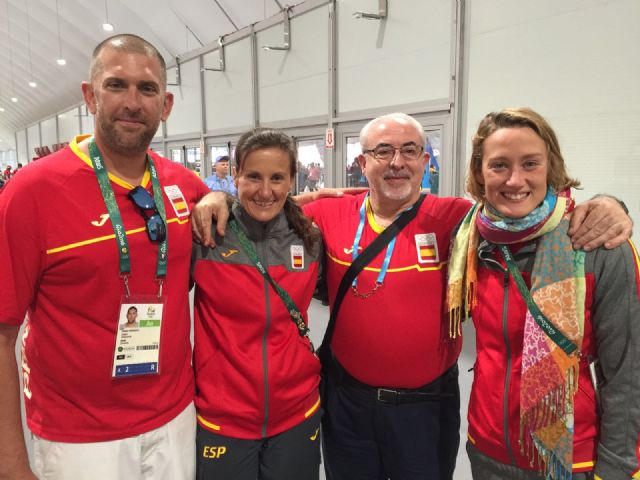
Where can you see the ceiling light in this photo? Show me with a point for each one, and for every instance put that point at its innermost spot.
(107, 26)
(1, 109)
(32, 84)
(60, 61)
(14, 99)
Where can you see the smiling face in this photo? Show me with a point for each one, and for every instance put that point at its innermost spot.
(514, 171)
(395, 182)
(128, 98)
(264, 181)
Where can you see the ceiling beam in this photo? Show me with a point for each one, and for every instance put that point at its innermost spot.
(226, 14)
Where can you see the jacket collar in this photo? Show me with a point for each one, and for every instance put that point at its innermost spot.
(255, 229)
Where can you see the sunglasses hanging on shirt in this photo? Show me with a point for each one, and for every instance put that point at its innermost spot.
(156, 228)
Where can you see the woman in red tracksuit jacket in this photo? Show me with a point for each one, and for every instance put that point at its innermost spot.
(543, 313)
(256, 374)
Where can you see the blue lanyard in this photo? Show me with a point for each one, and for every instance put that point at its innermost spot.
(356, 242)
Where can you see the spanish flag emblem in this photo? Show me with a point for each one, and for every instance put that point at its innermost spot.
(297, 257)
(176, 198)
(427, 248)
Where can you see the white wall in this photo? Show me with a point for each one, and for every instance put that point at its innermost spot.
(86, 120)
(48, 131)
(228, 95)
(294, 83)
(33, 140)
(185, 116)
(21, 147)
(68, 125)
(405, 59)
(576, 62)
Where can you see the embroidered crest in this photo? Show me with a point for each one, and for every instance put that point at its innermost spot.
(297, 257)
(427, 248)
(176, 198)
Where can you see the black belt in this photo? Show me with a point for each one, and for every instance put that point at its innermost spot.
(436, 390)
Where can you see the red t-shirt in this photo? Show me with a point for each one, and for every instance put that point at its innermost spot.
(61, 266)
(398, 336)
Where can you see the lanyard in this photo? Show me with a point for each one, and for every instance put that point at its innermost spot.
(303, 329)
(354, 253)
(547, 327)
(116, 219)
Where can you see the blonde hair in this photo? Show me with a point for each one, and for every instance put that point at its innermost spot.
(557, 175)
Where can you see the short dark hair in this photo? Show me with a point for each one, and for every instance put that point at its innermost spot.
(127, 43)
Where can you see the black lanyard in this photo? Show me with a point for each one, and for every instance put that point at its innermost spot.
(543, 322)
(303, 329)
(116, 219)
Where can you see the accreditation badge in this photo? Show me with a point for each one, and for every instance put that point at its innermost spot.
(137, 349)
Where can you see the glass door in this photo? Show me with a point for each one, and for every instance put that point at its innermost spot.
(192, 156)
(311, 164)
(176, 155)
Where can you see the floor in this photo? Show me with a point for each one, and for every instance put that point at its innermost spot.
(318, 317)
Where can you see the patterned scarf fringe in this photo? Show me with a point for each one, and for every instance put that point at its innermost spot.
(550, 409)
(550, 466)
(462, 271)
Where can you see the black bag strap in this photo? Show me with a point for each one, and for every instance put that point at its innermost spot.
(363, 259)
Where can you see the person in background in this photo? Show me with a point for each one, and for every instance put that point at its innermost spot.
(82, 233)
(313, 177)
(256, 374)
(392, 408)
(221, 180)
(303, 173)
(17, 169)
(543, 313)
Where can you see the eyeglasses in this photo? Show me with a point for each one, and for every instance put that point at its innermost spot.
(156, 229)
(386, 152)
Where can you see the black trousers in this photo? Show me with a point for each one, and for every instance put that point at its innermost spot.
(291, 455)
(376, 434)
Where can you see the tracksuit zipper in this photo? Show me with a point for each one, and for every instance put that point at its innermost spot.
(265, 358)
(505, 394)
(505, 334)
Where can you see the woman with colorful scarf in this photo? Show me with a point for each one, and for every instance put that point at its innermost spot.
(550, 322)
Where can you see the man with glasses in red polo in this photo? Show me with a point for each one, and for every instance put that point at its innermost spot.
(86, 233)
